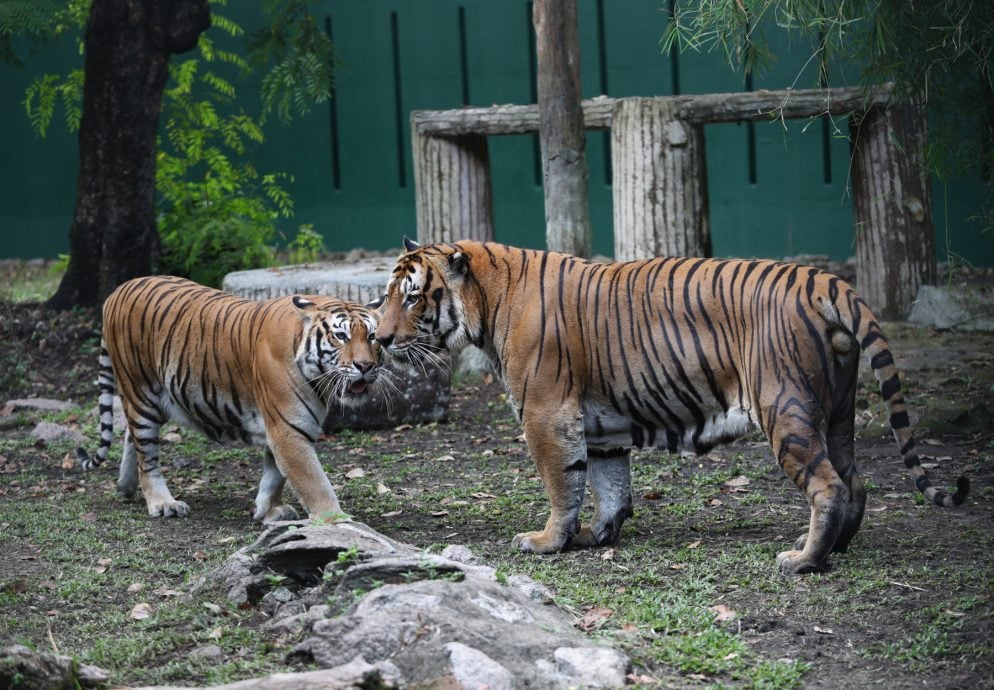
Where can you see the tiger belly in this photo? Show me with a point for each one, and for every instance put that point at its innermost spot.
(605, 428)
(224, 426)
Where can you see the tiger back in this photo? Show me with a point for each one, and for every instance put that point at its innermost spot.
(674, 353)
(263, 373)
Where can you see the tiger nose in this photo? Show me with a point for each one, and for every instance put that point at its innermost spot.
(363, 367)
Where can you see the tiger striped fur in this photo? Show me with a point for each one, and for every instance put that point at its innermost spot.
(676, 353)
(262, 373)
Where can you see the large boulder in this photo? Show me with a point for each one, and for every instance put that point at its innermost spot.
(445, 620)
(418, 394)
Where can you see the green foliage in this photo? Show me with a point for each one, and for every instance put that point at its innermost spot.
(307, 246)
(217, 213)
(939, 52)
(301, 55)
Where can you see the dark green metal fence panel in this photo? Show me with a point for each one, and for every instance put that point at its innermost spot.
(775, 189)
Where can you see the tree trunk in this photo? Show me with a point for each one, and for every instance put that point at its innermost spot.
(892, 208)
(660, 182)
(561, 130)
(113, 236)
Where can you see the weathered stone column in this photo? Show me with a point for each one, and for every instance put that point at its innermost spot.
(452, 187)
(660, 182)
(892, 208)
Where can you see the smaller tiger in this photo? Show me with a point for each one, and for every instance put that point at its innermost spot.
(260, 372)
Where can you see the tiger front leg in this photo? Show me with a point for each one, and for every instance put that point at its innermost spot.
(298, 463)
(610, 476)
(560, 453)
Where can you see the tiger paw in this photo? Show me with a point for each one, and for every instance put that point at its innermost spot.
(598, 534)
(538, 542)
(277, 513)
(168, 509)
(793, 563)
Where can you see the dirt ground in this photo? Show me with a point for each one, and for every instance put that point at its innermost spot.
(905, 552)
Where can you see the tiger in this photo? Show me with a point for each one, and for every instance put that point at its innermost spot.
(680, 354)
(260, 372)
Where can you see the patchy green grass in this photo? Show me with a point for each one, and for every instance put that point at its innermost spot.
(29, 281)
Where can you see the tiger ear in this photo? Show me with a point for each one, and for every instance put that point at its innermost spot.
(459, 263)
(410, 245)
(377, 303)
(304, 305)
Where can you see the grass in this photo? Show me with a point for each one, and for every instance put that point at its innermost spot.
(28, 281)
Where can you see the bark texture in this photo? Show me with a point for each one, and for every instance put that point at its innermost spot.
(892, 208)
(561, 128)
(452, 187)
(660, 182)
(113, 236)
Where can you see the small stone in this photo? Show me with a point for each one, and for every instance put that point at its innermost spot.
(43, 404)
(208, 651)
(47, 431)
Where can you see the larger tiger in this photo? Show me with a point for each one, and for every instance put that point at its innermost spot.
(676, 353)
(259, 372)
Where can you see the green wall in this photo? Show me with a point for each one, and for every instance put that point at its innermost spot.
(774, 190)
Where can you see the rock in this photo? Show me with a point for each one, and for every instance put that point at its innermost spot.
(474, 669)
(26, 669)
(937, 308)
(443, 621)
(47, 431)
(419, 394)
(351, 676)
(43, 404)
(472, 361)
(208, 651)
(592, 667)
(963, 307)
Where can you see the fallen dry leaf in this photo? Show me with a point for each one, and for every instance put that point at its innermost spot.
(392, 513)
(824, 631)
(715, 502)
(171, 437)
(104, 561)
(135, 587)
(403, 427)
(608, 555)
(594, 618)
(382, 488)
(652, 495)
(694, 544)
(68, 461)
(723, 613)
(738, 483)
(88, 517)
(141, 611)
(444, 458)
(481, 495)
(200, 555)
(215, 634)
(356, 473)
(440, 513)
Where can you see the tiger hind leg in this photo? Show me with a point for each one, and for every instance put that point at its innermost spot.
(127, 478)
(610, 477)
(269, 506)
(842, 449)
(804, 457)
(145, 437)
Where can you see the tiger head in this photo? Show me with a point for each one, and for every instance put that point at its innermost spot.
(338, 354)
(428, 302)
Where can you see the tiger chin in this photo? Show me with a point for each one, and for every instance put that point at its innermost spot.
(672, 353)
(260, 372)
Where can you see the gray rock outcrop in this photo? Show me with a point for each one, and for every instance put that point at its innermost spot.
(349, 592)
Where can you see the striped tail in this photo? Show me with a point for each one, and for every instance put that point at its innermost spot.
(107, 387)
(877, 351)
